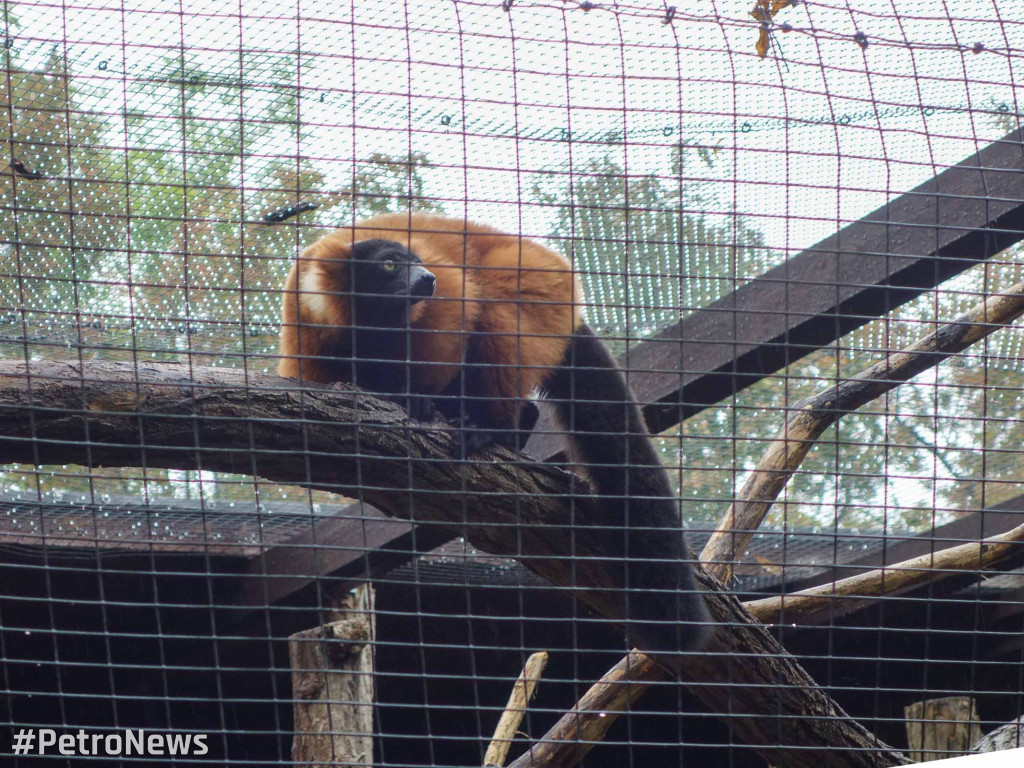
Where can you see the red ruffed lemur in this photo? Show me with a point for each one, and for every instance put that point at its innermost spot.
(442, 313)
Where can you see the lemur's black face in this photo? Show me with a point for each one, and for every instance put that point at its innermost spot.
(387, 273)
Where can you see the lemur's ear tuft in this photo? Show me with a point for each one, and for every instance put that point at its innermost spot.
(323, 279)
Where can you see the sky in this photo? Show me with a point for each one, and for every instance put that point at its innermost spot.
(820, 132)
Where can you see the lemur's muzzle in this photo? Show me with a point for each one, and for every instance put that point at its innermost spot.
(421, 283)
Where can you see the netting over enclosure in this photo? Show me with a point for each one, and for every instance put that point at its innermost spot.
(796, 225)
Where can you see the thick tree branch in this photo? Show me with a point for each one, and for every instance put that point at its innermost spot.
(771, 701)
(579, 730)
(336, 439)
(112, 414)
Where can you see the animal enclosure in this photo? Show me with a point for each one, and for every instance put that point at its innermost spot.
(797, 226)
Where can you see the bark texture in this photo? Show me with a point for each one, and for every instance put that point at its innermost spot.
(332, 687)
(1008, 736)
(342, 440)
(941, 728)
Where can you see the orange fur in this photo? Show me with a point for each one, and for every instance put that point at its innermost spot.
(505, 313)
(520, 298)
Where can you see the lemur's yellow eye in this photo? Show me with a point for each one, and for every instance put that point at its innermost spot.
(388, 265)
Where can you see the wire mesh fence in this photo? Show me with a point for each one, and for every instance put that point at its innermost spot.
(764, 205)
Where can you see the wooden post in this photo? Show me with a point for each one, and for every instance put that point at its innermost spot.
(941, 728)
(332, 686)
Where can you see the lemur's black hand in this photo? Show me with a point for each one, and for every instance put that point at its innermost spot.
(475, 438)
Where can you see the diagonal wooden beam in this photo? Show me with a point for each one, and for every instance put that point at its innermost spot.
(966, 214)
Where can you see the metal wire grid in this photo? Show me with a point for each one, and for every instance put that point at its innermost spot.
(151, 149)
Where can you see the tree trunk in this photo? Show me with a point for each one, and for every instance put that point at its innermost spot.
(332, 687)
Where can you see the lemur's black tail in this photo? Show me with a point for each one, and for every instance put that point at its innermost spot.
(642, 525)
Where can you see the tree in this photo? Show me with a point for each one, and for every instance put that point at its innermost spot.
(56, 201)
(648, 247)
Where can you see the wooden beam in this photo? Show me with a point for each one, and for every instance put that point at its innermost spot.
(352, 545)
(838, 598)
(966, 214)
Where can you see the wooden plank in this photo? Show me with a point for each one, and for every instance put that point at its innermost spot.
(963, 215)
(352, 545)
